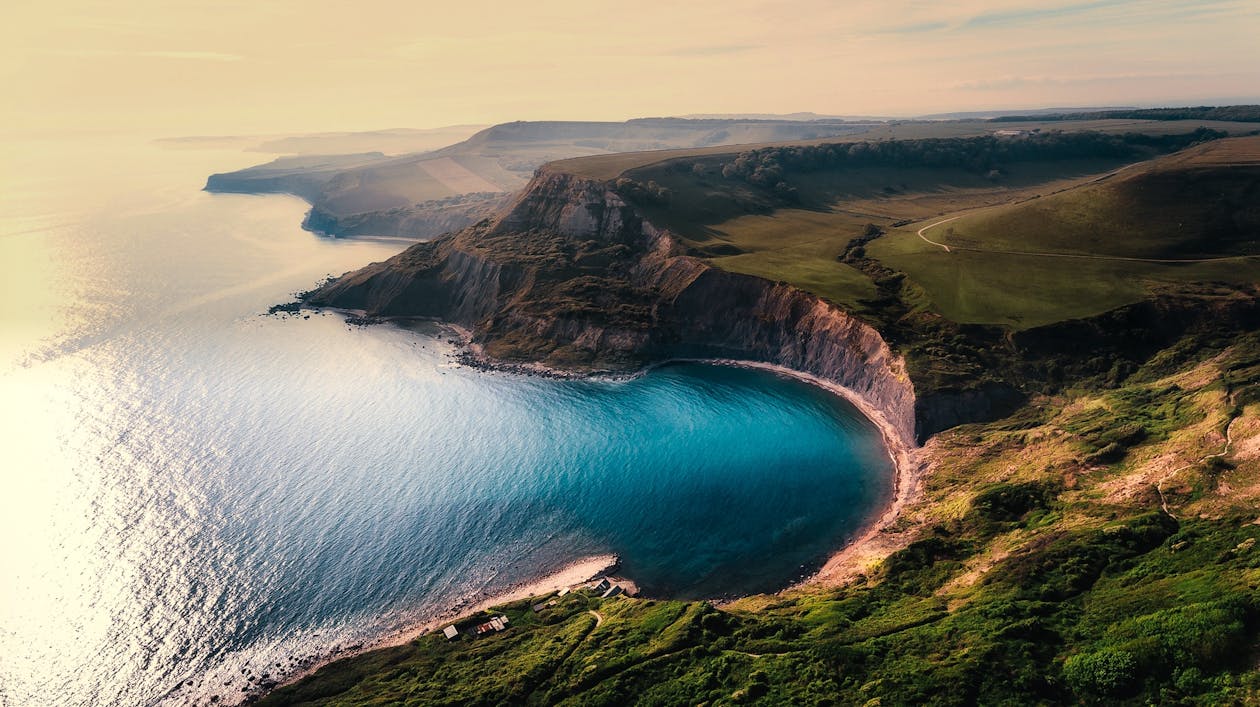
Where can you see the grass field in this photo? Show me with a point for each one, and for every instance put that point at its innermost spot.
(1002, 267)
(1027, 291)
(1202, 203)
(1172, 208)
(611, 166)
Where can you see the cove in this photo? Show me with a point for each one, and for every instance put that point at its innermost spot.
(194, 489)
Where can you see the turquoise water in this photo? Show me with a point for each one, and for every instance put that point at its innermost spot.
(192, 488)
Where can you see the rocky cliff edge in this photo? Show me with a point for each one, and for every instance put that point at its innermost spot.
(573, 277)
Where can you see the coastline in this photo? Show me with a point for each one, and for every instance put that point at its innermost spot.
(849, 560)
(576, 572)
(845, 563)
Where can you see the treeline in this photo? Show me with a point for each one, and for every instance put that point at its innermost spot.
(1242, 114)
(772, 167)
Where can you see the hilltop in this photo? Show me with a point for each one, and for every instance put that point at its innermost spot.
(424, 194)
(997, 216)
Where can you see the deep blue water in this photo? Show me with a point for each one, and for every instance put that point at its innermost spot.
(192, 488)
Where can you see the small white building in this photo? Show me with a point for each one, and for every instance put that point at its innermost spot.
(496, 624)
(450, 632)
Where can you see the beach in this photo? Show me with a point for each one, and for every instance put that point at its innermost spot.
(575, 573)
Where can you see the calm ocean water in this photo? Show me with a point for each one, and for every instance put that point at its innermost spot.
(190, 488)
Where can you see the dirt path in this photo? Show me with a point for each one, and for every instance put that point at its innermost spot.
(1077, 256)
(1159, 485)
(599, 618)
(934, 225)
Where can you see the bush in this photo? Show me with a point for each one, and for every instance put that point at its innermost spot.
(1108, 672)
(1007, 503)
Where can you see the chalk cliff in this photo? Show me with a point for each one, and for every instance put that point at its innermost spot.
(572, 276)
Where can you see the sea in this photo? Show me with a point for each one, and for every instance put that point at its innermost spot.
(192, 490)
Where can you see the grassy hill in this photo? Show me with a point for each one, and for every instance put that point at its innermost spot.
(414, 194)
(1004, 264)
(1041, 571)
(1013, 219)
(1200, 203)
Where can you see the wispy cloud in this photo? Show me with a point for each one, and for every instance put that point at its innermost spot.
(1035, 14)
(1015, 82)
(914, 28)
(195, 56)
(1128, 11)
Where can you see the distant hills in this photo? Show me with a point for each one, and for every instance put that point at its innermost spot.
(422, 183)
(1241, 113)
(423, 194)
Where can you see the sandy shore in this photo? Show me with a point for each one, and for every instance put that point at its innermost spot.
(909, 461)
(846, 563)
(871, 546)
(572, 574)
(856, 556)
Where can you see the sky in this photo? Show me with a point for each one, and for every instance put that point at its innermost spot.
(188, 67)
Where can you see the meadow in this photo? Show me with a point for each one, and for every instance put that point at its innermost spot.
(1030, 242)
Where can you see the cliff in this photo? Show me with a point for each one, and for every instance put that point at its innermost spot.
(425, 220)
(572, 276)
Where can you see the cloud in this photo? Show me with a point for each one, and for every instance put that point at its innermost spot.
(1015, 82)
(1127, 11)
(1034, 14)
(914, 28)
(195, 56)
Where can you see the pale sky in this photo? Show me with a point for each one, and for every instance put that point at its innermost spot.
(179, 67)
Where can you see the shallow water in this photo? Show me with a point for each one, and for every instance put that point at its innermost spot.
(191, 488)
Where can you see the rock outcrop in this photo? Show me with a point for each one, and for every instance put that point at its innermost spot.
(424, 220)
(574, 277)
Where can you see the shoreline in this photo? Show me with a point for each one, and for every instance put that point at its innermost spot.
(845, 562)
(842, 565)
(905, 458)
(849, 559)
(579, 571)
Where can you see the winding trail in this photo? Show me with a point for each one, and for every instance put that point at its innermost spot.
(599, 618)
(1159, 485)
(1077, 256)
(934, 225)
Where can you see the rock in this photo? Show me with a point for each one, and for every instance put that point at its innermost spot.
(646, 302)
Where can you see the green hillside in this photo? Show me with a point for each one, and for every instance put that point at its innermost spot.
(1201, 203)
(1037, 568)
(1015, 216)
(1005, 264)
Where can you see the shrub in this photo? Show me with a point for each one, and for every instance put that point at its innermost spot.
(1006, 503)
(1108, 672)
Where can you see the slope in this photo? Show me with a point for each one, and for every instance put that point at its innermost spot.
(428, 193)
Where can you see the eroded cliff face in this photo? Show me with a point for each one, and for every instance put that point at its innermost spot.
(572, 276)
(425, 220)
